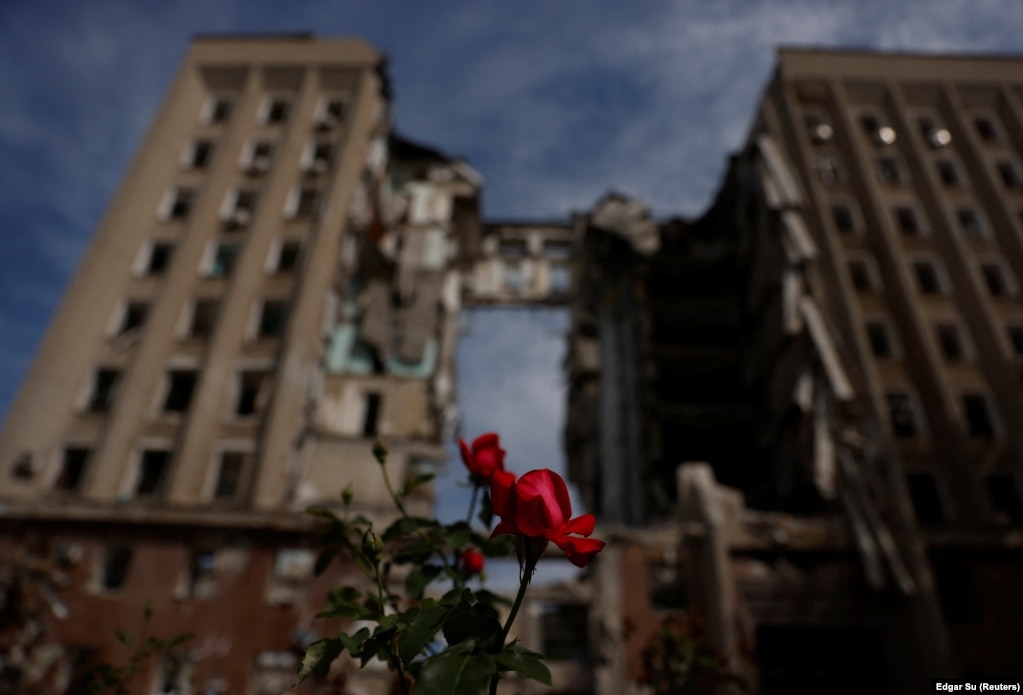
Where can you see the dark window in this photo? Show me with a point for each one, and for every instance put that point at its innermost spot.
(951, 341)
(1003, 492)
(923, 491)
(978, 417)
(152, 468)
(181, 203)
(564, 628)
(277, 111)
(179, 391)
(818, 127)
(24, 467)
(995, 279)
(245, 201)
(372, 414)
(116, 561)
(204, 316)
(936, 135)
(844, 218)
(908, 219)
(332, 114)
(322, 152)
(159, 258)
(251, 394)
(880, 342)
(830, 169)
(134, 316)
(986, 129)
(272, 319)
(927, 278)
(103, 390)
(970, 223)
(902, 415)
(72, 468)
(949, 173)
(889, 171)
(201, 576)
(860, 274)
(229, 477)
(202, 152)
(1009, 173)
(1016, 339)
(220, 110)
(558, 250)
(512, 248)
(224, 259)
(308, 202)
(287, 259)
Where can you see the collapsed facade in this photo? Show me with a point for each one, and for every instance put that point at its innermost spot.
(797, 417)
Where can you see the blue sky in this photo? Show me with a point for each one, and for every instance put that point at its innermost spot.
(553, 101)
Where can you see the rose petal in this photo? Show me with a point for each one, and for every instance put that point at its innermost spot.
(504, 528)
(541, 485)
(580, 551)
(583, 525)
(501, 485)
(466, 454)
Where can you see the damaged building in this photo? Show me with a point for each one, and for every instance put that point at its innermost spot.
(797, 417)
(276, 284)
(808, 399)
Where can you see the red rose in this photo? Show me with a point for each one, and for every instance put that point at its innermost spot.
(537, 507)
(472, 563)
(485, 457)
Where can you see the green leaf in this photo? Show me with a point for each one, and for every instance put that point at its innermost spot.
(455, 673)
(421, 632)
(492, 599)
(404, 526)
(416, 482)
(122, 636)
(458, 535)
(466, 622)
(524, 662)
(344, 602)
(418, 577)
(318, 657)
(323, 561)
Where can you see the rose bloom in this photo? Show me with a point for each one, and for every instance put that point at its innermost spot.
(536, 507)
(484, 458)
(472, 563)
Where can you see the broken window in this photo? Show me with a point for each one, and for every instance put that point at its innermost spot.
(273, 317)
(926, 498)
(181, 385)
(979, 422)
(102, 395)
(844, 218)
(133, 316)
(152, 468)
(862, 274)
(995, 279)
(233, 465)
(216, 110)
(558, 250)
(970, 223)
(225, 256)
(561, 278)
(949, 173)
(275, 110)
(1008, 172)
(204, 316)
(24, 467)
(514, 276)
(909, 220)
(879, 338)
(256, 156)
(512, 248)
(251, 392)
(818, 126)
(928, 279)
(889, 170)
(986, 128)
(902, 414)
(198, 154)
(287, 256)
(830, 169)
(317, 156)
(1015, 333)
(950, 340)
(72, 468)
(1004, 495)
(303, 202)
(936, 135)
(159, 258)
(331, 113)
(114, 566)
(201, 579)
(371, 415)
(177, 203)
